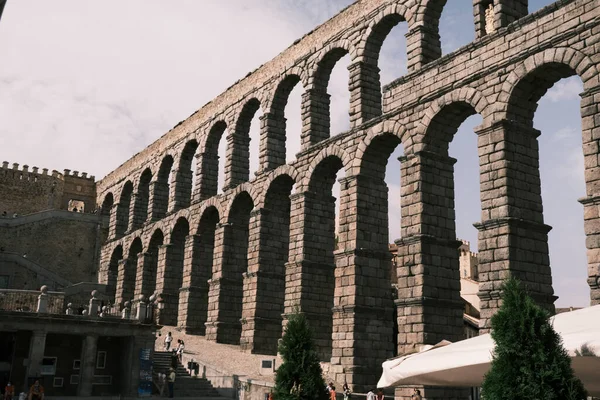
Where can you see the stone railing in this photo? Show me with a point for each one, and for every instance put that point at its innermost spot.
(41, 301)
(45, 302)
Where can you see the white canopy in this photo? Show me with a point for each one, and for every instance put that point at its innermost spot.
(464, 363)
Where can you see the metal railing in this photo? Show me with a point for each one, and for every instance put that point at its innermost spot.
(28, 301)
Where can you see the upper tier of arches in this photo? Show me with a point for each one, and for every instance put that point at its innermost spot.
(195, 142)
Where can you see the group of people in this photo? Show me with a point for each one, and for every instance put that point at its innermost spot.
(36, 391)
(332, 393)
(178, 351)
(169, 379)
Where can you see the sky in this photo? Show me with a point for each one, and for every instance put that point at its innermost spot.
(85, 85)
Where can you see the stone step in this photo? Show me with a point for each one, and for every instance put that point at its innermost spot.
(186, 386)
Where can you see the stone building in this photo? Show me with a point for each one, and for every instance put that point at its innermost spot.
(232, 264)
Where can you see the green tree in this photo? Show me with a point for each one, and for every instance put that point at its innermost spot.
(300, 375)
(529, 361)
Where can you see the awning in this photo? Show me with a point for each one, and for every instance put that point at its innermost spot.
(464, 363)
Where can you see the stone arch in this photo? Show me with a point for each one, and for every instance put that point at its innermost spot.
(329, 151)
(283, 170)
(146, 282)
(237, 168)
(161, 188)
(540, 71)
(365, 80)
(127, 272)
(208, 164)
(245, 187)
(113, 270)
(184, 176)
(443, 118)
(169, 277)
(391, 127)
(274, 132)
(225, 326)
(142, 199)
(123, 208)
(212, 202)
(107, 204)
(318, 112)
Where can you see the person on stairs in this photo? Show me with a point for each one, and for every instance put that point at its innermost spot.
(168, 340)
(171, 382)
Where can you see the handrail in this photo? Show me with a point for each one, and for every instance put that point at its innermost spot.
(35, 267)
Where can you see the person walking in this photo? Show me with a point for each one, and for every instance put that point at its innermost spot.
(332, 393)
(416, 395)
(380, 395)
(346, 391)
(168, 340)
(171, 382)
(180, 349)
(174, 359)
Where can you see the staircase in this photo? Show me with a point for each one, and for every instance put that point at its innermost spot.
(185, 384)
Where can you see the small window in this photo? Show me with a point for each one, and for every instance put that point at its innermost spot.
(101, 360)
(76, 205)
(58, 382)
(76, 364)
(74, 380)
(48, 366)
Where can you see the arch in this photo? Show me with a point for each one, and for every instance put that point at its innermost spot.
(127, 274)
(273, 145)
(142, 199)
(107, 204)
(213, 202)
(113, 271)
(443, 118)
(329, 151)
(208, 173)
(184, 176)
(238, 149)
(122, 222)
(530, 80)
(161, 189)
(319, 107)
(146, 282)
(246, 188)
(283, 170)
(390, 127)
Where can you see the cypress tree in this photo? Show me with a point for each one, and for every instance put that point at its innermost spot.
(529, 361)
(300, 375)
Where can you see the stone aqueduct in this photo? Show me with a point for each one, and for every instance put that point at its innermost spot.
(231, 265)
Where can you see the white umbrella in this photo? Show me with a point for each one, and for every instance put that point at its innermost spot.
(464, 363)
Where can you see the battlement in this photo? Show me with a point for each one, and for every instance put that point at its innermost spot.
(24, 173)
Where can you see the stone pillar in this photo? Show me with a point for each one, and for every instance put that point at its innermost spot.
(42, 306)
(167, 291)
(272, 141)
(316, 122)
(264, 282)
(145, 276)
(309, 273)
(159, 200)
(429, 307)
(133, 222)
(363, 308)
(193, 294)
(365, 92)
(180, 196)
(125, 281)
(423, 46)
(36, 354)
(88, 365)
(207, 165)
(225, 290)
(591, 203)
(112, 228)
(237, 165)
(94, 306)
(505, 12)
(513, 239)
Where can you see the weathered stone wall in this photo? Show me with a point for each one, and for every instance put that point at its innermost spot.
(25, 191)
(344, 290)
(61, 242)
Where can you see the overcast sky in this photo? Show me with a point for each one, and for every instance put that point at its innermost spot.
(86, 84)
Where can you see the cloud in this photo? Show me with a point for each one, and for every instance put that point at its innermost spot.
(566, 89)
